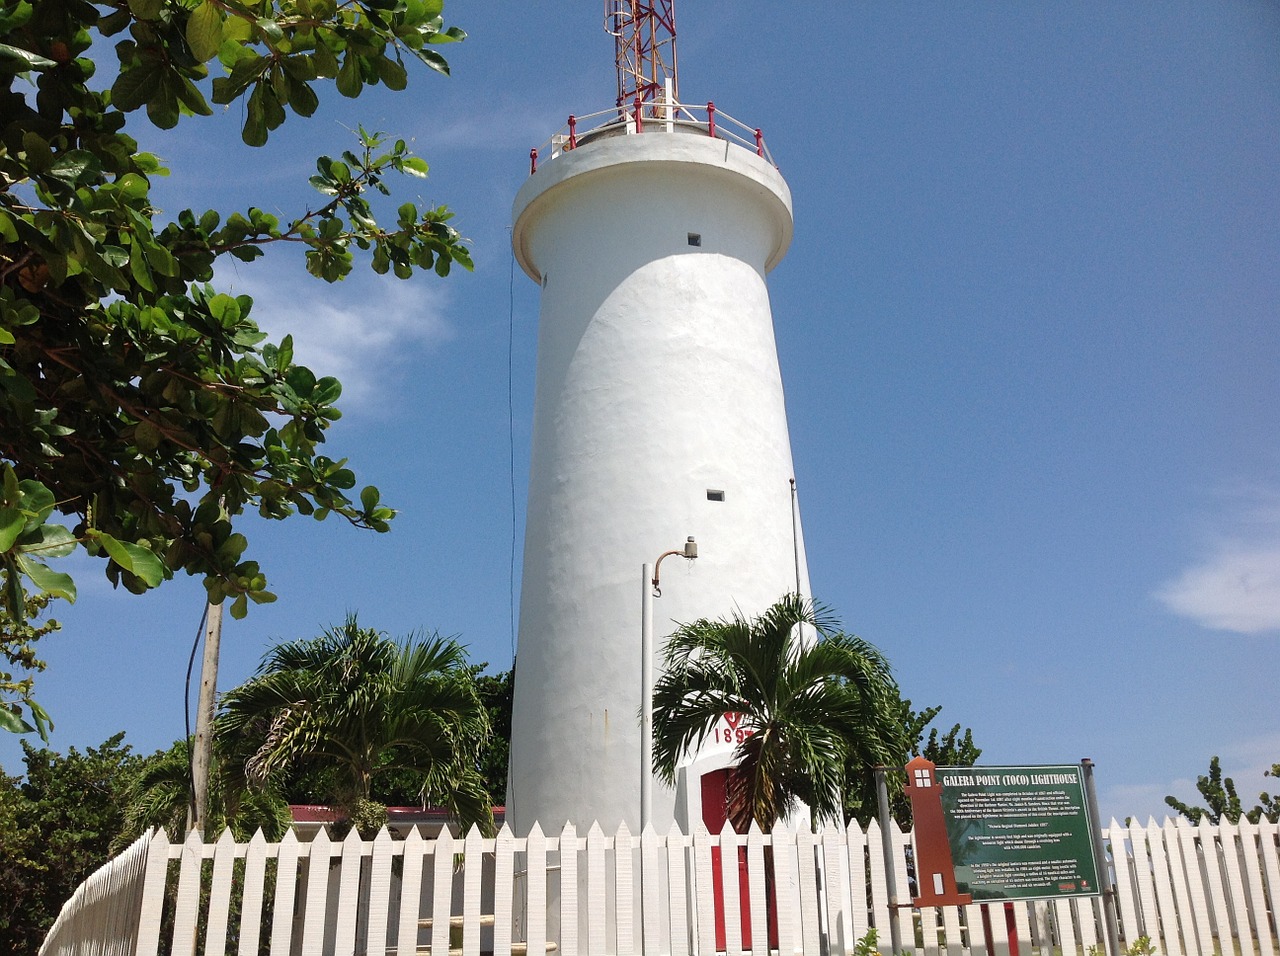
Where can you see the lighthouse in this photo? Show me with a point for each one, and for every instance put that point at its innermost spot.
(658, 418)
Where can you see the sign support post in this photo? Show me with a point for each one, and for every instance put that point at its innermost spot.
(1104, 871)
(882, 798)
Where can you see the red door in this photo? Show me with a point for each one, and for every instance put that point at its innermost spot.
(715, 812)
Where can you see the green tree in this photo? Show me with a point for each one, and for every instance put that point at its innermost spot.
(954, 748)
(816, 703)
(496, 692)
(365, 707)
(138, 404)
(158, 794)
(56, 827)
(18, 651)
(1223, 803)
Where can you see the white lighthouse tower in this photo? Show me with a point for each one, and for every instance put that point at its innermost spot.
(658, 417)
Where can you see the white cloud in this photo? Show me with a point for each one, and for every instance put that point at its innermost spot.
(364, 331)
(1237, 587)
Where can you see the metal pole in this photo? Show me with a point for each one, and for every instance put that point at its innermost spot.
(890, 868)
(1104, 871)
(646, 697)
(202, 746)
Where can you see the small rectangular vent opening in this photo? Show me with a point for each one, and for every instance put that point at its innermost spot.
(695, 238)
(715, 494)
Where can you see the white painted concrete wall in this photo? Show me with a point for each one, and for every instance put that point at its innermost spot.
(657, 380)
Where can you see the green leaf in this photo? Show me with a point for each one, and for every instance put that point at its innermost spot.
(135, 87)
(12, 521)
(433, 60)
(49, 541)
(47, 580)
(349, 80)
(204, 31)
(137, 560)
(146, 9)
(414, 166)
(13, 723)
(17, 60)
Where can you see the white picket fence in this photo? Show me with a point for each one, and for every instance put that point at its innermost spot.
(1195, 891)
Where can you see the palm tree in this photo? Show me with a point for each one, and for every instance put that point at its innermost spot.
(159, 795)
(366, 706)
(813, 698)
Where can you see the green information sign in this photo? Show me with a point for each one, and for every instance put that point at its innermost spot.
(1019, 832)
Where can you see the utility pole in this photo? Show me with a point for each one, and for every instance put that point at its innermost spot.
(202, 745)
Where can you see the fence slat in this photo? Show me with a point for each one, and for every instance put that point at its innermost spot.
(953, 937)
(569, 887)
(1257, 897)
(1022, 922)
(1166, 932)
(786, 889)
(472, 872)
(1230, 837)
(977, 937)
(730, 893)
(1145, 853)
(879, 887)
(810, 903)
(677, 893)
(855, 848)
(415, 851)
(898, 841)
(224, 855)
(286, 888)
(441, 915)
(1184, 905)
(624, 889)
(650, 895)
(504, 853)
(1211, 865)
(835, 861)
(1194, 872)
(1126, 882)
(379, 893)
(187, 907)
(255, 872)
(1064, 925)
(154, 879)
(596, 925)
(704, 889)
(351, 860)
(1270, 866)
(757, 900)
(536, 858)
(317, 898)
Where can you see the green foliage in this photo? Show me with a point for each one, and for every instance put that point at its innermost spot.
(1223, 803)
(866, 945)
(17, 646)
(360, 706)
(954, 748)
(141, 411)
(496, 692)
(158, 795)
(815, 708)
(1142, 946)
(56, 827)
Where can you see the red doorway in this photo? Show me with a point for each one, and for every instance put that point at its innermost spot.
(715, 813)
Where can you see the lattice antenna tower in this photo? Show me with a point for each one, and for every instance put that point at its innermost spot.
(644, 36)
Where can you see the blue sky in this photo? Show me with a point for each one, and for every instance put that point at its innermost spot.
(1027, 328)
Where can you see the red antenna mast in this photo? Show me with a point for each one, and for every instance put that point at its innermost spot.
(644, 37)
